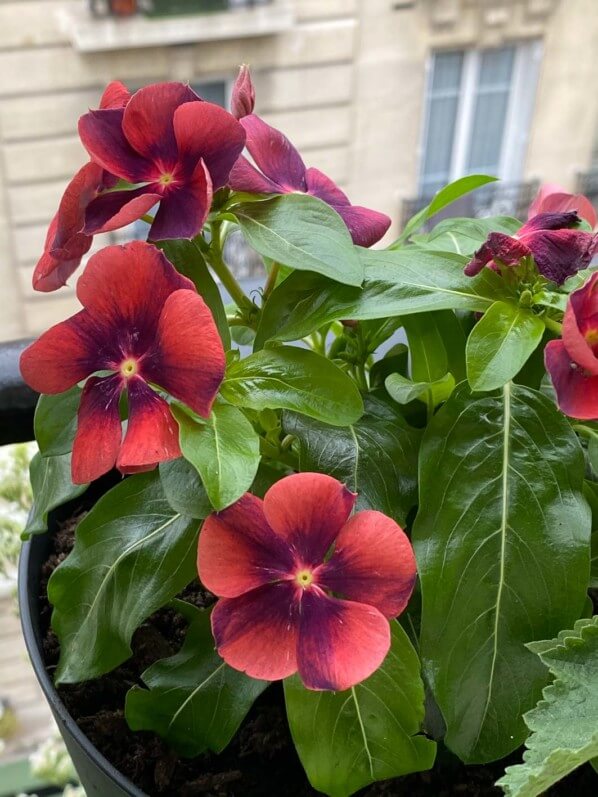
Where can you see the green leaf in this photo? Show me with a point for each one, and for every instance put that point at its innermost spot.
(396, 283)
(502, 542)
(446, 196)
(465, 236)
(371, 732)
(225, 451)
(55, 422)
(52, 487)
(403, 390)
(302, 232)
(376, 457)
(133, 553)
(183, 488)
(564, 724)
(193, 700)
(437, 346)
(188, 260)
(500, 344)
(287, 377)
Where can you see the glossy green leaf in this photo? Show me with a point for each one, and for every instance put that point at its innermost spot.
(500, 344)
(302, 232)
(183, 488)
(224, 449)
(564, 724)
(287, 377)
(133, 553)
(52, 486)
(55, 422)
(188, 260)
(437, 345)
(446, 196)
(465, 236)
(376, 457)
(371, 732)
(396, 283)
(502, 542)
(403, 390)
(193, 699)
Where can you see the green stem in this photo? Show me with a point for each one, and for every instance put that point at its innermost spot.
(360, 377)
(147, 219)
(429, 404)
(271, 280)
(223, 272)
(553, 325)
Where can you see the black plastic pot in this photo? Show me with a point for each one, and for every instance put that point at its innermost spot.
(97, 775)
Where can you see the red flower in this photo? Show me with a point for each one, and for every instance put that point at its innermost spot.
(282, 171)
(268, 562)
(552, 198)
(145, 323)
(573, 361)
(178, 147)
(243, 95)
(65, 242)
(558, 252)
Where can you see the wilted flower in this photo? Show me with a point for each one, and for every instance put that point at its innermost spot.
(551, 198)
(270, 562)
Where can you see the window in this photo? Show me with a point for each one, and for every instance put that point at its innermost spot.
(478, 112)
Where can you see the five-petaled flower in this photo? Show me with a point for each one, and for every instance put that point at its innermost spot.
(146, 324)
(66, 243)
(173, 147)
(282, 171)
(573, 361)
(558, 251)
(270, 562)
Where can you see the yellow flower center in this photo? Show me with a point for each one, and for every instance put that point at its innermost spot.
(304, 578)
(592, 336)
(166, 178)
(128, 368)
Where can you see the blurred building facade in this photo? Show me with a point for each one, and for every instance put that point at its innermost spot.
(392, 98)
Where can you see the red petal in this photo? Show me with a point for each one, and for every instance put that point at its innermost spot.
(582, 305)
(257, 632)
(274, 154)
(320, 185)
(184, 210)
(116, 209)
(127, 286)
(577, 394)
(560, 254)
(102, 136)
(366, 226)
(98, 430)
(152, 433)
(243, 95)
(116, 95)
(238, 551)
(188, 360)
(52, 272)
(373, 563)
(480, 259)
(245, 177)
(552, 198)
(208, 132)
(308, 510)
(549, 221)
(148, 121)
(341, 643)
(70, 217)
(64, 355)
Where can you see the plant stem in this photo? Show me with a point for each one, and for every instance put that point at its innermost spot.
(553, 325)
(271, 280)
(223, 272)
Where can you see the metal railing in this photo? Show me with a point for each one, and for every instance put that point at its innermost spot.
(495, 199)
(126, 8)
(17, 401)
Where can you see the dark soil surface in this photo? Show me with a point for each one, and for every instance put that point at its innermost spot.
(261, 760)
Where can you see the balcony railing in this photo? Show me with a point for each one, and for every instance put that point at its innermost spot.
(495, 199)
(127, 8)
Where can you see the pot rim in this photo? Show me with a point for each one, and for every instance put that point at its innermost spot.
(30, 634)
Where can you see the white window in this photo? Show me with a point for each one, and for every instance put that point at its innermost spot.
(479, 105)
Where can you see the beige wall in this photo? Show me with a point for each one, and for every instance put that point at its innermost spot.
(346, 84)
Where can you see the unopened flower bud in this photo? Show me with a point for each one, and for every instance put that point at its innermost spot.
(243, 95)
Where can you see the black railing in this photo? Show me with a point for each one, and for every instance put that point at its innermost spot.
(127, 8)
(587, 184)
(17, 401)
(494, 199)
